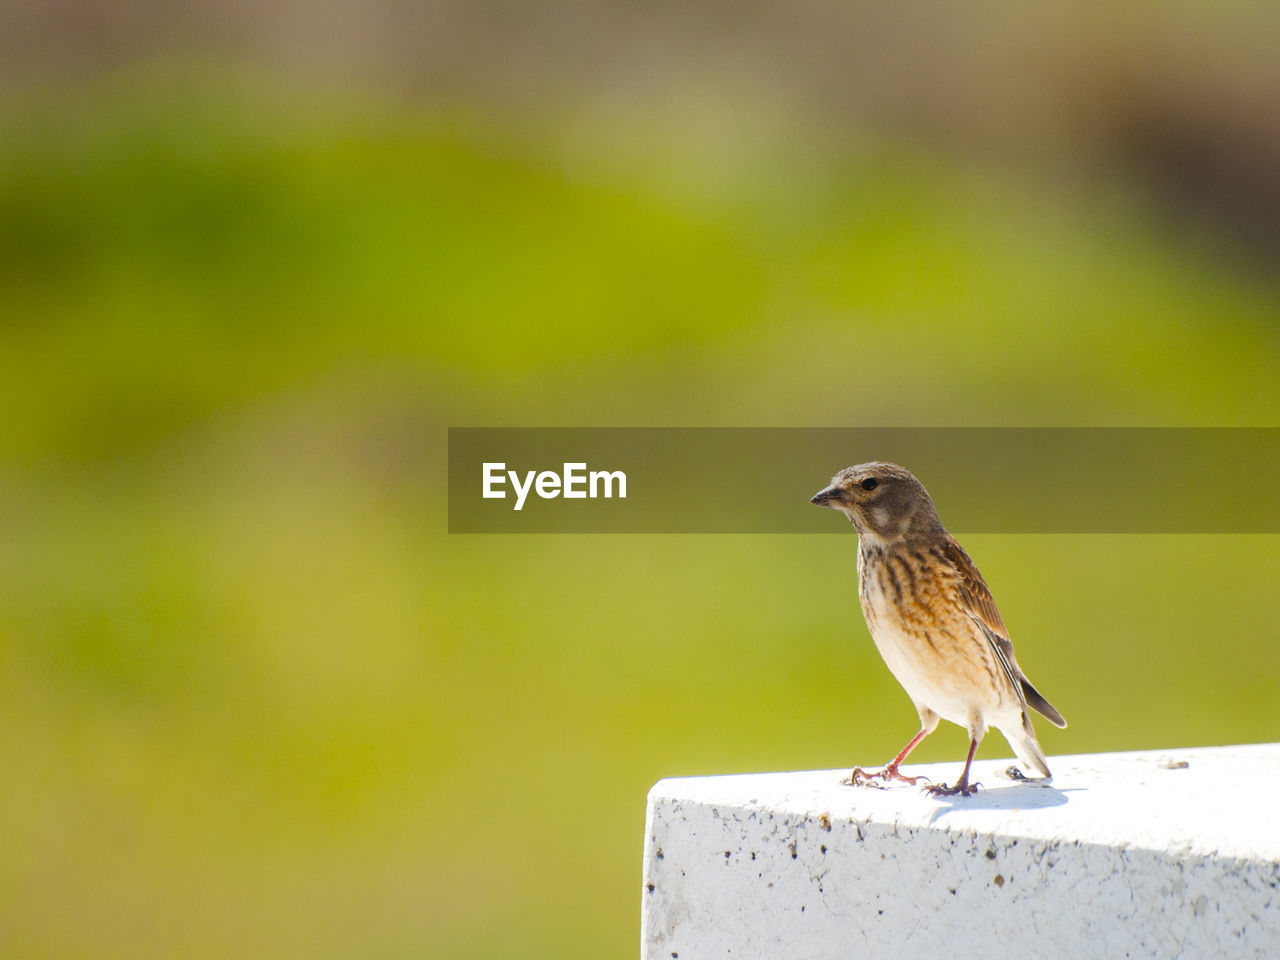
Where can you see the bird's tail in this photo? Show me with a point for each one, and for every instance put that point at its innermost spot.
(1027, 749)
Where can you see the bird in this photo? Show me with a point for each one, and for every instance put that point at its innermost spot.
(934, 622)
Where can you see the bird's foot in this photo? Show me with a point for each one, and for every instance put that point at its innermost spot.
(868, 778)
(961, 789)
(891, 773)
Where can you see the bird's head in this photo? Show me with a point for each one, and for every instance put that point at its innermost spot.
(882, 500)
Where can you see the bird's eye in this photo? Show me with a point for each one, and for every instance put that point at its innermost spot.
(870, 483)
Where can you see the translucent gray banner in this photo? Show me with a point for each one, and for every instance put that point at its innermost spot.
(759, 480)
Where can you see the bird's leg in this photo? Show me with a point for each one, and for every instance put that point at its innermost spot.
(891, 771)
(863, 778)
(963, 787)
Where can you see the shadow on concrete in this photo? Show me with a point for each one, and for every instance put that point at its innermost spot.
(1006, 796)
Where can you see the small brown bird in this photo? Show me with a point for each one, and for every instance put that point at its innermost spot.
(933, 620)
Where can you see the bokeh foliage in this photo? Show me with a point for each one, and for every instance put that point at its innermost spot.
(254, 701)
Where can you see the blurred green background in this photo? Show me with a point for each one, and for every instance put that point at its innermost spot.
(254, 260)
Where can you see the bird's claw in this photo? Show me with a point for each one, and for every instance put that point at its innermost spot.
(868, 778)
(862, 778)
(961, 789)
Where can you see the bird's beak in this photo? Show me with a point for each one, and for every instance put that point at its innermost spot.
(828, 496)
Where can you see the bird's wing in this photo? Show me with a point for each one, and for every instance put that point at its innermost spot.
(977, 597)
(981, 607)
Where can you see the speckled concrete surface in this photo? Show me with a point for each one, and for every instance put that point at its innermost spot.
(1171, 853)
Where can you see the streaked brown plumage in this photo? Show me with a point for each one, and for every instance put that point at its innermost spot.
(933, 620)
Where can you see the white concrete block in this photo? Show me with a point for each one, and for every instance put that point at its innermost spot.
(1170, 853)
